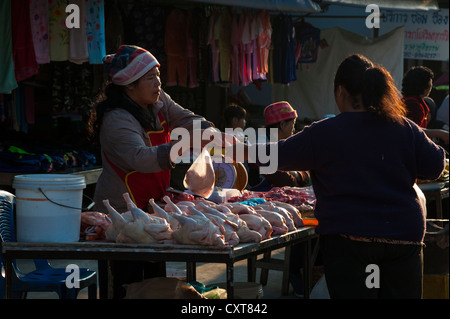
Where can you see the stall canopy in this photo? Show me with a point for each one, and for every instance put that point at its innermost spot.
(426, 5)
(308, 6)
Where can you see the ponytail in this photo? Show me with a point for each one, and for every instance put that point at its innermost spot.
(380, 95)
(374, 84)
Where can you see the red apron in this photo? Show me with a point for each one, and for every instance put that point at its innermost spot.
(143, 186)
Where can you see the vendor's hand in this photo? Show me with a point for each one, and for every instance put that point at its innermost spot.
(184, 140)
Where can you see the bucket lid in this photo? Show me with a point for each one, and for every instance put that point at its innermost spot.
(49, 181)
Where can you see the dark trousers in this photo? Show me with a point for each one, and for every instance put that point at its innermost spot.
(355, 269)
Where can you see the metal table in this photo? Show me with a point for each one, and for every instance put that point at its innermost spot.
(161, 252)
(435, 191)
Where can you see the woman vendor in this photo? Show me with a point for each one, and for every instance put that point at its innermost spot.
(132, 122)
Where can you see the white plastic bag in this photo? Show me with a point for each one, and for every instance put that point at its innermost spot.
(200, 178)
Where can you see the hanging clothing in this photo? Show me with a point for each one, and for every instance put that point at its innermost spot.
(308, 41)
(39, 18)
(114, 24)
(176, 47)
(143, 18)
(79, 52)
(242, 60)
(284, 66)
(256, 29)
(59, 33)
(224, 44)
(7, 77)
(25, 65)
(214, 49)
(236, 37)
(192, 51)
(95, 27)
(264, 41)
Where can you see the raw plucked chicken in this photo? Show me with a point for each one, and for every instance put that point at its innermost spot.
(258, 224)
(198, 230)
(269, 206)
(244, 233)
(201, 222)
(276, 220)
(159, 212)
(295, 213)
(136, 226)
(200, 177)
(229, 229)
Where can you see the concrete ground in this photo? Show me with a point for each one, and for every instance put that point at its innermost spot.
(207, 273)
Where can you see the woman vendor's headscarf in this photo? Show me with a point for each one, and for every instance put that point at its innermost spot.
(125, 67)
(129, 64)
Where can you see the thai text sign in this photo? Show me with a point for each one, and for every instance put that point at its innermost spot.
(426, 33)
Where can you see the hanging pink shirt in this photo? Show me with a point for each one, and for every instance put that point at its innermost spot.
(212, 37)
(264, 41)
(40, 30)
(236, 36)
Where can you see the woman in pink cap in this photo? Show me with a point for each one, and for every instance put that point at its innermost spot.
(132, 121)
(282, 117)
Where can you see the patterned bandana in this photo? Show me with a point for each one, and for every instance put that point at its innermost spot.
(129, 64)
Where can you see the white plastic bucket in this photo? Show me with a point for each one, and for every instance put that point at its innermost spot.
(48, 207)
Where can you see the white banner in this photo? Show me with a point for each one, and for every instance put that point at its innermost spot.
(426, 33)
(312, 95)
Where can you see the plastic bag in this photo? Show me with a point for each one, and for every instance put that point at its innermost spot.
(200, 178)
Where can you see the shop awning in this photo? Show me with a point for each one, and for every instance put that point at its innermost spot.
(273, 5)
(427, 5)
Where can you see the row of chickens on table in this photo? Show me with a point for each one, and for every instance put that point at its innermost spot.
(194, 222)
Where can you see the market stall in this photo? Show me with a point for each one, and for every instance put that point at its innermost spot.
(185, 253)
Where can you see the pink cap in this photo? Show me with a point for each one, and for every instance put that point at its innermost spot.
(278, 112)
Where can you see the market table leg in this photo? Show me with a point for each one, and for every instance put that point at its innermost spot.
(286, 271)
(191, 273)
(251, 268)
(103, 278)
(307, 268)
(8, 275)
(230, 281)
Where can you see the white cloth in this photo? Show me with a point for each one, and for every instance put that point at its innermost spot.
(79, 52)
(312, 95)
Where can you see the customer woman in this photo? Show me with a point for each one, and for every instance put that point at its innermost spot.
(132, 122)
(363, 166)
